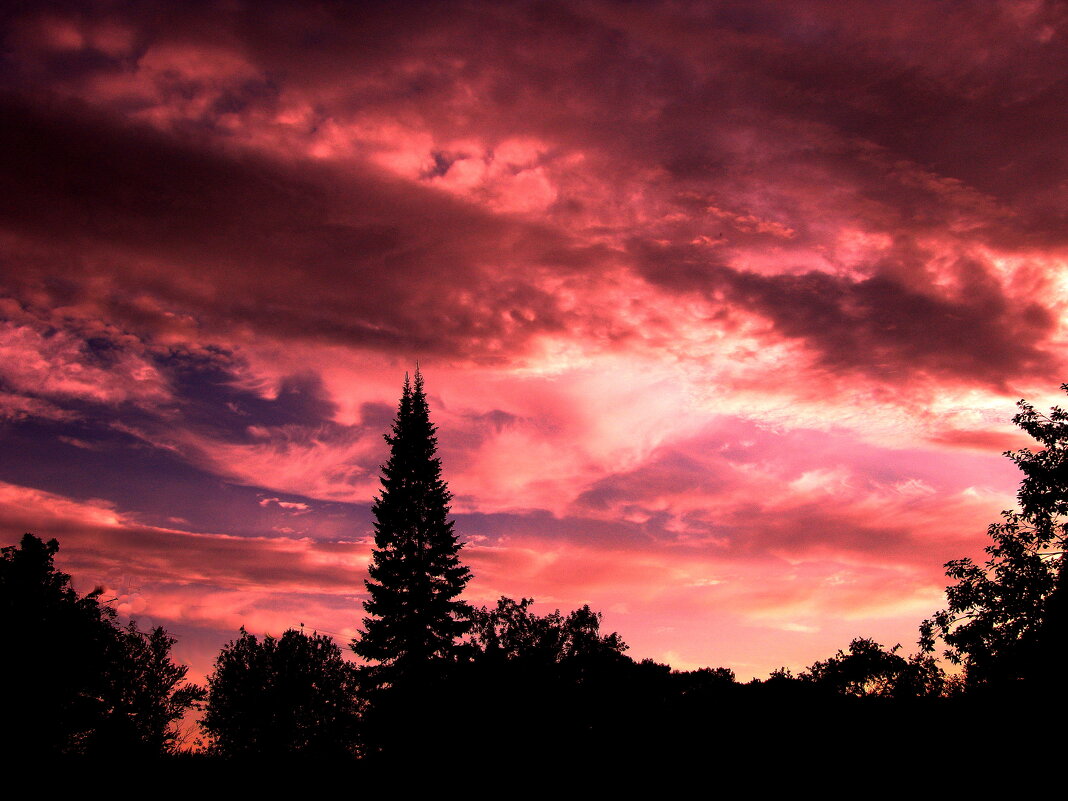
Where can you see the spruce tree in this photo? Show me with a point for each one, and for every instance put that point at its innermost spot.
(416, 577)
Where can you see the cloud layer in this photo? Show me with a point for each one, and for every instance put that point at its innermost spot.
(723, 307)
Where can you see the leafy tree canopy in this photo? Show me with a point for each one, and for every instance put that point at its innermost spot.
(869, 670)
(1005, 619)
(511, 632)
(77, 682)
(148, 691)
(293, 695)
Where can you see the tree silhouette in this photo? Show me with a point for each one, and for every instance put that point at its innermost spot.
(416, 577)
(77, 683)
(147, 693)
(868, 670)
(55, 667)
(511, 632)
(291, 696)
(1005, 620)
(551, 681)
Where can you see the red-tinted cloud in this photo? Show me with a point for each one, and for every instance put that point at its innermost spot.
(723, 307)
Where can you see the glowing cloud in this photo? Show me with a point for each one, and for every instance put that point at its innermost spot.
(723, 307)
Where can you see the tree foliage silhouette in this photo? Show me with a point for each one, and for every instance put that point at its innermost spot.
(148, 691)
(291, 696)
(416, 577)
(1006, 619)
(76, 682)
(552, 681)
(55, 667)
(511, 632)
(868, 670)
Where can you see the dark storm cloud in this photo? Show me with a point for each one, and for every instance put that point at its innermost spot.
(720, 97)
(878, 324)
(353, 258)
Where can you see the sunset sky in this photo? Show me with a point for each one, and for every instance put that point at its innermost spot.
(723, 307)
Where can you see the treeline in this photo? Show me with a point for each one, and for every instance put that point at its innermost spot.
(441, 681)
(519, 682)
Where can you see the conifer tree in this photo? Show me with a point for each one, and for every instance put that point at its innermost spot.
(416, 577)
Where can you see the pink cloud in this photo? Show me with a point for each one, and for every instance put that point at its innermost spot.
(723, 307)
(287, 505)
(38, 361)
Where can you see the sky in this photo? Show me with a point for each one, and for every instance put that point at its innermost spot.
(723, 308)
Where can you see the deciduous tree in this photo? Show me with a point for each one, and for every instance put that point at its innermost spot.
(147, 693)
(76, 682)
(511, 632)
(869, 670)
(276, 697)
(56, 655)
(1005, 619)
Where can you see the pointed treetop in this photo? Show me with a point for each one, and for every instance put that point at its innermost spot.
(418, 387)
(415, 576)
